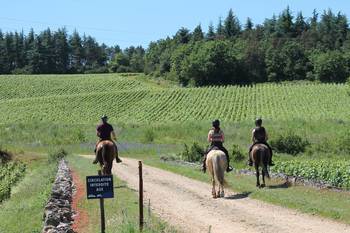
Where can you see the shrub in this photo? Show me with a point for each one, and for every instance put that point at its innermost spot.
(289, 143)
(148, 136)
(5, 156)
(192, 154)
(57, 155)
(237, 154)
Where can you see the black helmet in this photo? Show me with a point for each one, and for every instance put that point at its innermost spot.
(104, 118)
(258, 121)
(216, 123)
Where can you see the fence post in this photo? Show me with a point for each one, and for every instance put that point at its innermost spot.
(140, 195)
(102, 208)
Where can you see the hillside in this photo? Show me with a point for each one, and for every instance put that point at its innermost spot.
(64, 99)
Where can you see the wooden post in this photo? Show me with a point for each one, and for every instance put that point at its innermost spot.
(102, 208)
(140, 195)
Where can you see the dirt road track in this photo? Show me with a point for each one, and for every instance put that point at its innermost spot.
(187, 204)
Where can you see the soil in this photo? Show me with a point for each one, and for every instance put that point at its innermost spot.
(81, 217)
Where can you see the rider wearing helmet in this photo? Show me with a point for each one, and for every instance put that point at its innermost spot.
(105, 131)
(216, 139)
(259, 135)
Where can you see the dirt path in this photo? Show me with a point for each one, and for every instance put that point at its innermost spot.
(81, 218)
(188, 205)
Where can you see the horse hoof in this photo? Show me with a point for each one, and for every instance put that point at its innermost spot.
(262, 186)
(222, 194)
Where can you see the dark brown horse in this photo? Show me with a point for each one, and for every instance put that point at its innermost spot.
(105, 155)
(261, 156)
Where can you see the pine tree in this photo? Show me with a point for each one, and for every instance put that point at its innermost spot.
(231, 25)
(300, 25)
(248, 25)
(211, 34)
(197, 34)
(182, 36)
(61, 51)
(220, 32)
(76, 52)
(285, 24)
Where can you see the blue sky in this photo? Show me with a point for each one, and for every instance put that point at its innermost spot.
(137, 22)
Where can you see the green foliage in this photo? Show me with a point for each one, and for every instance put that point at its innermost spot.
(237, 153)
(149, 136)
(193, 153)
(10, 174)
(336, 173)
(289, 143)
(56, 155)
(330, 67)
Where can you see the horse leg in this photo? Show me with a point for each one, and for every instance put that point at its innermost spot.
(263, 178)
(257, 175)
(213, 191)
(222, 193)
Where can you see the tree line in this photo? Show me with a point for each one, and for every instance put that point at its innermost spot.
(59, 53)
(283, 47)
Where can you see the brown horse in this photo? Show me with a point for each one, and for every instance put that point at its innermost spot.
(105, 155)
(261, 156)
(216, 163)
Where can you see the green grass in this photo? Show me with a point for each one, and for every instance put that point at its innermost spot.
(23, 212)
(121, 212)
(326, 203)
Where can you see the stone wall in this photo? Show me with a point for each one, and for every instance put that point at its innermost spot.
(58, 214)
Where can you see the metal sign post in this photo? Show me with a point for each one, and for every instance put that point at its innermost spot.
(100, 187)
(141, 195)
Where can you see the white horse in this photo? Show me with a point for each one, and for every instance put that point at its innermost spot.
(216, 164)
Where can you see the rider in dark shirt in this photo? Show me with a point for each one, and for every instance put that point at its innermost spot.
(259, 135)
(105, 131)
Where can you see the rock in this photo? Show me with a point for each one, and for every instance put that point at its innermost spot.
(58, 213)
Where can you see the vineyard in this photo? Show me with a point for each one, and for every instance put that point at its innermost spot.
(10, 173)
(335, 173)
(66, 98)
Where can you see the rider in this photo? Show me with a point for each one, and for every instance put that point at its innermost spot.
(104, 131)
(259, 135)
(216, 139)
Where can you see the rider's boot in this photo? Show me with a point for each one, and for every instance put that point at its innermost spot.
(271, 163)
(229, 168)
(117, 159)
(95, 160)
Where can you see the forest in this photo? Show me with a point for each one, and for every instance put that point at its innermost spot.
(285, 47)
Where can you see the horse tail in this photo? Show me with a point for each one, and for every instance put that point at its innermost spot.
(218, 170)
(263, 157)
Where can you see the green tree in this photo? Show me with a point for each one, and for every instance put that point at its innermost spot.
(330, 67)
(211, 33)
(197, 34)
(231, 25)
(76, 52)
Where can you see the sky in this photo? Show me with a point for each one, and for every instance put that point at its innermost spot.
(138, 22)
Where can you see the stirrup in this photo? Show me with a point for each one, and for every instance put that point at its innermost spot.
(229, 169)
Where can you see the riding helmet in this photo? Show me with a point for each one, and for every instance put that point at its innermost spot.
(258, 121)
(216, 123)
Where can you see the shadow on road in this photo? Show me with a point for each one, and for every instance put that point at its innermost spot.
(238, 196)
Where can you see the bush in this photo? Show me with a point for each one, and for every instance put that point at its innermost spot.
(289, 143)
(148, 136)
(5, 156)
(192, 154)
(237, 154)
(57, 155)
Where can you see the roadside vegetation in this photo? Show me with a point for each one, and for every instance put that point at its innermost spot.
(23, 211)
